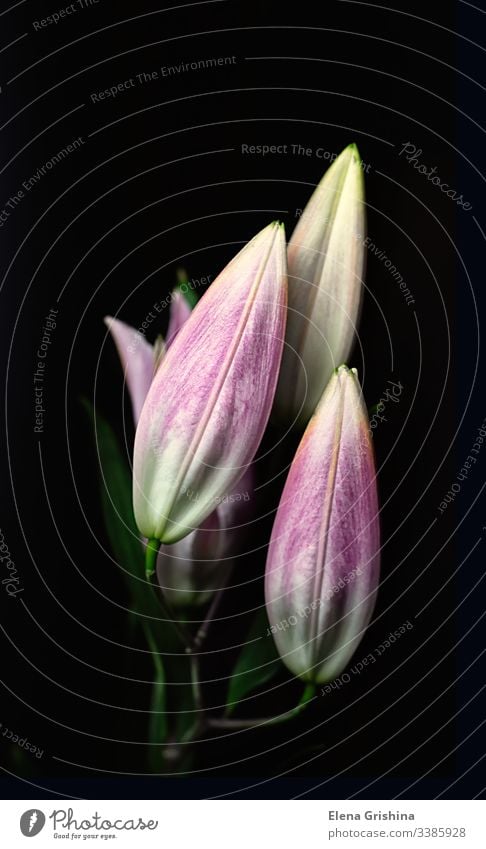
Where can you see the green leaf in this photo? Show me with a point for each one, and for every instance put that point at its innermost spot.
(158, 726)
(116, 502)
(184, 288)
(171, 665)
(257, 663)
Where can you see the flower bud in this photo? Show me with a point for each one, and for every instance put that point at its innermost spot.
(325, 268)
(193, 569)
(210, 399)
(322, 569)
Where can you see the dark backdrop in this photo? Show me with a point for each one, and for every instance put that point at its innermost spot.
(159, 180)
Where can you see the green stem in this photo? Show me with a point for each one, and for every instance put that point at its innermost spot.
(196, 645)
(151, 553)
(196, 687)
(203, 629)
(234, 724)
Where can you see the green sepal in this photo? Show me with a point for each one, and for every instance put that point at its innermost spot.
(184, 288)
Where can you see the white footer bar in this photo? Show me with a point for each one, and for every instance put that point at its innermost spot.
(244, 824)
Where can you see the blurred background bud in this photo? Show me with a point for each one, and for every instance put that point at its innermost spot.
(190, 571)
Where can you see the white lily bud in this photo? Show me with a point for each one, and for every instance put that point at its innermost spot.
(325, 275)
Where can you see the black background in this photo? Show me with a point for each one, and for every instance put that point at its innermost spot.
(161, 181)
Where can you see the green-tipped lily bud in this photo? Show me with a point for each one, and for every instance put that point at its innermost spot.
(325, 270)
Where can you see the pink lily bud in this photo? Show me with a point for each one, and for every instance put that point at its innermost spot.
(322, 569)
(193, 569)
(325, 267)
(190, 571)
(210, 400)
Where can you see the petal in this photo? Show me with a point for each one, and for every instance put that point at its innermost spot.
(179, 313)
(137, 360)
